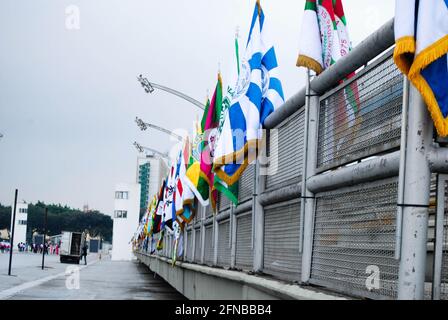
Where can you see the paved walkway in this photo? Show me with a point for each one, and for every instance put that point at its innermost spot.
(100, 279)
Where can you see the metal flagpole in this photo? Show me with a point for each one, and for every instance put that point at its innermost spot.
(12, 232)
(402, 169)
(305, 160)
(45, 233)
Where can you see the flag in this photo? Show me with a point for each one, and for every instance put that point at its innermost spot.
(258, 93)
(158, 212)
(421, 53)
(194, 164)
(184, 196)
(151, 212)
(169, 207)
(210, 122)
(324, 38)
(230, 191)
(178, 241)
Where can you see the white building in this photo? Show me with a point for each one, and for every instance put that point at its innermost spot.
(151, 171)
(21, 223)
(126, 219)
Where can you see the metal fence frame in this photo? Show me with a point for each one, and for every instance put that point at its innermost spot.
(413, 168)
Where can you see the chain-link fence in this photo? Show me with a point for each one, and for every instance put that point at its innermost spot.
(246, 184)
(224, 243)
(281, 240)
(208, 245)
(354, 239)
(244, 245)
(285, 152)
(361, 118)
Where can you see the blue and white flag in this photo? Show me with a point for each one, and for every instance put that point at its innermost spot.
(421, 52)
(258, 93)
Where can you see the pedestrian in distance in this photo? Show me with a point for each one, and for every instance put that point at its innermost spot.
(84, 253)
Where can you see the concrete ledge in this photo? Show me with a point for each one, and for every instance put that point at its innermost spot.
(197, 282)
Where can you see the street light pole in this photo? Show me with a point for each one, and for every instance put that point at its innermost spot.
(141, 148)
(149, 88)
(145, 125)
(12, 232)
(45, 233)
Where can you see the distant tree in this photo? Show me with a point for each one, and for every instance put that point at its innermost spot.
(62, 218)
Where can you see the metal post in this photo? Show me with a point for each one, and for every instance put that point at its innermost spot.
(233, 227)
(45, 234)
(308, 200)
(401, 185)
(193, 242)
(204, 212)
(254, 196)
(185, 243)
(215, 240)
(12, 232)
(259, 220)
(305, 159)
(415, 204)
(438, 247)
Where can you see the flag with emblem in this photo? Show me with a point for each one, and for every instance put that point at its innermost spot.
(169, 207)
(210, 122)
(258, 93)
(421, 53)
(184, 197)
(194, 164)
(230, 191)
(324, 38)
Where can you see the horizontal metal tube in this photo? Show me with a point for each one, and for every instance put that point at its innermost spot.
(288, 108)
(244, 207)
(222, 216)
(367, 50)
(378, 168)
(280, 195)
(208, 221)
(438, 160)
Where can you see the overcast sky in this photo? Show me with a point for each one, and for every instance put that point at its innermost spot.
(69, 96)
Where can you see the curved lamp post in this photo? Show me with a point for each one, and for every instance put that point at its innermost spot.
(149, 88)
(145, 125)
(141, 148)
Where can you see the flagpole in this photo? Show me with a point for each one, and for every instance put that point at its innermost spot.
(402, 169)
(305, 159)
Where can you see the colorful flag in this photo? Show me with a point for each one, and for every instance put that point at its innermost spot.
(210, 123)
(158, 212)
(169, 212)
(421, 53)
(258, 93)
(230, 191)
(183, 197)
(324, 38)
(194, 164)
(178, 241)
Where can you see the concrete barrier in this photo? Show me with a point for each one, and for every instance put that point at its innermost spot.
(197, 282)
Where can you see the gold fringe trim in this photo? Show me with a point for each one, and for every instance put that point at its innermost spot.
(403, 53)
(421, 61)
(233, 158)
(310, 63)
(259, 7)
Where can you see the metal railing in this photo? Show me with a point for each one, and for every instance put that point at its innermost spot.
(350, 231)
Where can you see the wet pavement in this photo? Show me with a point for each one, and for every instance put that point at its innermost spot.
(101, 279)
